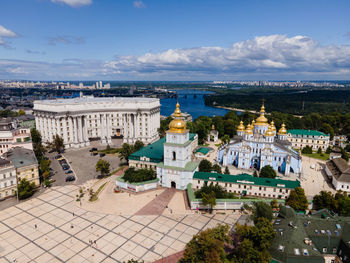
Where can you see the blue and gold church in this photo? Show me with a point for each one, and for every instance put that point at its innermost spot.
(259, 144)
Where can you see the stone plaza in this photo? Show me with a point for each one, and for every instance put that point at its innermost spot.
(52, 227)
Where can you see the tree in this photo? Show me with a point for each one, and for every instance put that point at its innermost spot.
(21, 112)
(219, 191)
(255, 174)
(306, 150)
(274, 204)
(138, 145)
(324, 200)
(141, 175)
(319, 151)
(227, 171)
(230, 127)
(328, 150)
(217, 168)
(25, 189)
(209, 199)
(126, 151)
(103, 167)
(261, 209)
(207, 246)
(205, 166)
(344, 154)
(225, 139)
(164, 126)
(57, 143)
(44, 166)
(268, 172)
(297, 199)
(252, 242)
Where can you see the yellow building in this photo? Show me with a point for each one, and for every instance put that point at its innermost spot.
(8, 181)
(25, 163)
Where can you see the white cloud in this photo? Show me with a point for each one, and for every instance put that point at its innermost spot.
(74, 3)
(274, 57)
(6, 33)
(139, 4)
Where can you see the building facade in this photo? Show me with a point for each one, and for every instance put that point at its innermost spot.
(245, 184)
(25, 163)
(338, 171)
(177, 169)
(8, 180)
(88, 121)
(314, 139)
(258, 145)
(12, 136)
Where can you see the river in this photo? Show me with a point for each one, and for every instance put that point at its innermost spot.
(190, 104)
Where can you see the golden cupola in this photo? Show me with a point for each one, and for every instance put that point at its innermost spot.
(177, 125)
(240, 126)
(262, 120)
(249, 129)
(273, 127)
(269, 132)
(253, 123)
(283, 130)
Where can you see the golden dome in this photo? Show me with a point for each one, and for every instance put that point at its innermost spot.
(273, 127)
(269, 132)
(213, 127)
(253, 123)
(262, 120)
(283, 130)
(241, 127)
(249, 129)
(177, 125)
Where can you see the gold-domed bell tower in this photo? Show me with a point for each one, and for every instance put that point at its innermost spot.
(175, 171)
(176, 135)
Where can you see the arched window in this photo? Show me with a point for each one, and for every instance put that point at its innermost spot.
(174, 156)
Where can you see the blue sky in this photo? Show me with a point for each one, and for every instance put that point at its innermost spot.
(174, 40)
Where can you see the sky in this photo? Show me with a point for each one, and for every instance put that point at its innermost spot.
(180, 40)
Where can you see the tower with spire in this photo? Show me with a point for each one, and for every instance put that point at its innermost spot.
(178, 168)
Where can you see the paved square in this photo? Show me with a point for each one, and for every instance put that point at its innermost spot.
(44, 229)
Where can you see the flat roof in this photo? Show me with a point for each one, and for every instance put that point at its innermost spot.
(21, 157)
(90, 99)
(307, 132)
(246, 179)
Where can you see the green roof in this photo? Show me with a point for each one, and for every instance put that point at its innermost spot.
(306, 132)
(246, 179)
(154, 151)
(327, 233)
(203, 150)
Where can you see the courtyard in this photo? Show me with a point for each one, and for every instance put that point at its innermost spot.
(53, 227)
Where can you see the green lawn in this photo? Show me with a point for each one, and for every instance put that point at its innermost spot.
(110, 151)
(323, 156)
(95, 195)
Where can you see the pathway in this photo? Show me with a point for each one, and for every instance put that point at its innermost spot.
(158, 204)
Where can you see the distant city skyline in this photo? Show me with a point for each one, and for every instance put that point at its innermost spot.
(174, 40)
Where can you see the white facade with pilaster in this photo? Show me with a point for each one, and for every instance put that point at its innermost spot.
(82, 120)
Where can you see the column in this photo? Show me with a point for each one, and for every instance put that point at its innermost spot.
(75, 130)
(143, 127)
(85, 129)
(58, 126)
(49, 124)
(125, 130)
(65, 132)
(80, 130)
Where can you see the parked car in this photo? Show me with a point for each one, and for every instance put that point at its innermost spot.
(68, 172)
(94, 153)
(65, 167)
(70, 178)
(58, 156)
(93, 149)
(102, 154)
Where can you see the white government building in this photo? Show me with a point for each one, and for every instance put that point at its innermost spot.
(86, 120)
